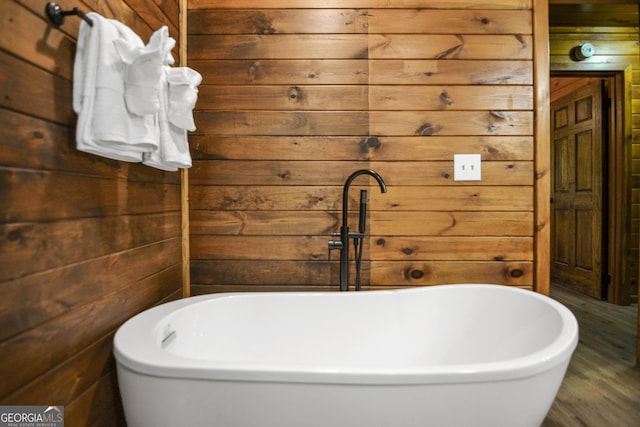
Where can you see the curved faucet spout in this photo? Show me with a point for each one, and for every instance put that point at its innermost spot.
(347, 184)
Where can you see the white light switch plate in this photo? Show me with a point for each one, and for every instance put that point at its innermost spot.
(467, 167)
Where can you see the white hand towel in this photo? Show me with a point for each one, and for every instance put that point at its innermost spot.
(84, 90)
(105, 126)
(183, 94)
(173, 152)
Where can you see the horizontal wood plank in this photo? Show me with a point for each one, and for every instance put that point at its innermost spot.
(278, 21)
(252, 287)
(375, 97)
(272, 273)
(286, 71)
(283, 198)
(361, 71)
(387, 123)
(439, 198)
(323, 223)
(356, 46)
(451, 223)
(229, 172)
(283, 98)
(64, 196)
(605, 61)
(281, 46)
(312, 248)
(395, 148)
(223, 276)
(284, 223)
(468, 198)
(508, 273)
(282, 123)
(460, 71)
(445, 123)
(457, 98)
(302, 248)
(294, 4)
(398, 46)
(606, 46)
(468, 21)
(354, 21)
(452, 248)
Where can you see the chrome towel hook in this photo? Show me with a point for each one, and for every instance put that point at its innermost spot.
(56, 14)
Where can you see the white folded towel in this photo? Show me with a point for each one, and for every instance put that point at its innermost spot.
(183, 94)
(105, 126)
(173, 152)
(143, 69)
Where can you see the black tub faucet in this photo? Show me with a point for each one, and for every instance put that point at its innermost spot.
(345, 235)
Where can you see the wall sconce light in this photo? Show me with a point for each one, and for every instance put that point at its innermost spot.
(582, 52)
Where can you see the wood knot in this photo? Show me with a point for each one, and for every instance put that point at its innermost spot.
(500, 115)
(367, 144)
(416, 274)
(407, 251)
(294, 93)
(380, 242)
(253, 71)
(426, 129)
(373, 142)
(444, 97)
(516, 273)
(284, 175)
(14, 235)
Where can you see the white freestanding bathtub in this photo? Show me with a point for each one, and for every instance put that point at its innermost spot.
(448, 355)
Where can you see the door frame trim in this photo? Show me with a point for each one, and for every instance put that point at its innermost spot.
(542, 155)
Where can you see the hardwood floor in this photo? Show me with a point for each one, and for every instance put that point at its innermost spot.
(602, 385)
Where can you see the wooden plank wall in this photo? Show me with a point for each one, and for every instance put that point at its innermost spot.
(295, 99)
(85, 242)
(613, 45)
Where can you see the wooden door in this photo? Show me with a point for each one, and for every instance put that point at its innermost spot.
(577, 193)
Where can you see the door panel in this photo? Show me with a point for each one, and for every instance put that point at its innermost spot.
(576, 135)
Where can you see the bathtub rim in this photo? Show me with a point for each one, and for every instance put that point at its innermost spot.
(164, 364)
